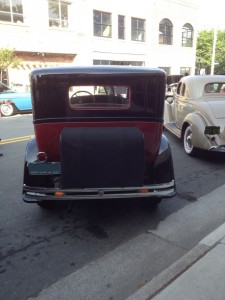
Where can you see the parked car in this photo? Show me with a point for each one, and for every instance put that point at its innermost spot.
(13, 101)
(98, 136)
(196, 113)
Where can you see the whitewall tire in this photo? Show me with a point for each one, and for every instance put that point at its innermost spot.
(7, 109)
(187, 140)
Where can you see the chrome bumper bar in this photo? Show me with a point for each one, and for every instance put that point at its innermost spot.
(36, 194)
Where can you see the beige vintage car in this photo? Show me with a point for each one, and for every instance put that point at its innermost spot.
(196, 113)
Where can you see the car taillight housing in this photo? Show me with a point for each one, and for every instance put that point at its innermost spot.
(42, 156)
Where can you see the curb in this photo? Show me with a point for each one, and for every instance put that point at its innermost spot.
(160, 282)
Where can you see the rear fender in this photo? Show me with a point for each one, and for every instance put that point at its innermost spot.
(197, 124)
(163, 170)
(30, 156)
(34, 180)
(31, 151)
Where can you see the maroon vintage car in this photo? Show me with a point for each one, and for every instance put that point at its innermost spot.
(98, 134)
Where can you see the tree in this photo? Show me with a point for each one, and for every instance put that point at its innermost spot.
(7, 59)
(205, 48)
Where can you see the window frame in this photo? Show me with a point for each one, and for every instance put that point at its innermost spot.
(138, 32)
(185, 71)
(121, 27)
(118, 63)
(187, 35)
(100, 27)
(165, 32)
(62, 23)
(13, 16)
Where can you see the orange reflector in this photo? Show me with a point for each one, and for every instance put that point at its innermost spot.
(143, 191)
(59, 194)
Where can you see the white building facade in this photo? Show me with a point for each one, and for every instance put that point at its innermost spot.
(152, 33)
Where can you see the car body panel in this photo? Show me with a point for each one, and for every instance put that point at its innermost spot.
(192, 105)
(48, 135)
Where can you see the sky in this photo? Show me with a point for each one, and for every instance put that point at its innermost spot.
(212, 14)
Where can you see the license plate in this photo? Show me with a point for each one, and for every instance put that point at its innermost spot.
(212, 130)
(44, 168)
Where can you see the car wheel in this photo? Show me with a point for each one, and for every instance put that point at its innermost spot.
(7, 109)
(187, 140)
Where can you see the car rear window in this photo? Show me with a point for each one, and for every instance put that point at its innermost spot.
(215, 87)
(99, 97)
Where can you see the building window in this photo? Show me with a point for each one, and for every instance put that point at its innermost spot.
(11, 11)
(165, 32)
(187, 35)
(121, 27)
(101, 62)
(118, 63)
(58, 13)
(185, 71)
(137, 29)
(102, 24)
(166, 69)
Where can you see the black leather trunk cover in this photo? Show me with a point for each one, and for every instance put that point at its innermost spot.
(102, 157)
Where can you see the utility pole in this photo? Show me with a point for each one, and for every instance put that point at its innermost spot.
(214, 50)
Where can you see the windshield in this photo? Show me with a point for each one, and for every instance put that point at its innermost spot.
(3, 88)
(21, 88)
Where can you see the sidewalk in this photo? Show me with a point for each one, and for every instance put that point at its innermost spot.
(198, 275)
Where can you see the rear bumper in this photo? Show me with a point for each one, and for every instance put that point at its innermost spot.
(217, 148)
(37, 194)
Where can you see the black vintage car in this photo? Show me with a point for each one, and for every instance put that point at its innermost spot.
(98, 134)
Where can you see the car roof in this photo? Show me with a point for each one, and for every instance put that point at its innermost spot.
(195, 84)
(95, 70)
(203, 78)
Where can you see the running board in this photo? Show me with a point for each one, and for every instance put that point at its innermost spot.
(173, 128)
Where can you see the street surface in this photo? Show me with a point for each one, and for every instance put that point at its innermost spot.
(107, 249)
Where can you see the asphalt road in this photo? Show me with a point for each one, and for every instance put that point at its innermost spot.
(39, 248)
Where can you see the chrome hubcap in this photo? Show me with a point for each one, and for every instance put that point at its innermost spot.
(188, 140)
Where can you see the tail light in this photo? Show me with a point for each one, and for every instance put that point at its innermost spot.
(42, 156)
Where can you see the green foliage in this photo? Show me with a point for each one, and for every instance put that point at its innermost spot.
(8, 59)
(204, 51)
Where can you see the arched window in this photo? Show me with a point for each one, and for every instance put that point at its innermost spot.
(165, 32)
(187, 35)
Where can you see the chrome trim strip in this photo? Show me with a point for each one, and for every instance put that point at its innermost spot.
(217, 148)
